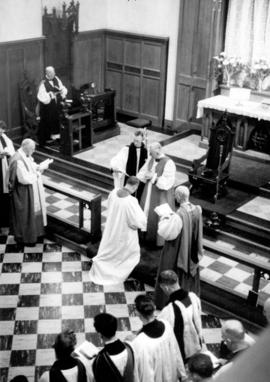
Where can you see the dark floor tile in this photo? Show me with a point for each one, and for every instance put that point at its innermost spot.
(31, 277)
(32, 257)
(72, 276)
(133, 285)
(211, 254)
(244, 267)
(73, 219)
(71, 200)
(7, 314)
(71, 256)
(52, 266)
(219, 267)
(4, 374)
(94, 338)
(115, 298)
(76, 325)
(86, 265)
(51, 288)
(91, 311)
(123, 324)
(72, 299)
(49, 312)
(210, 322)
(14, 248)
(89, 287)
(73, 209)
(52, 199)
(132, 310)
(1, 257)
(53, 209)
(39, 370)
(23, 358)
(52, 247)
(46, 341)
(25, 327)
(11, 267)
(9, 289)
(5, 342)
(249, 280)
(31, 300)
(227, 282)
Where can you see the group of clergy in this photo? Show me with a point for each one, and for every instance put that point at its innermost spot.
(144, 178)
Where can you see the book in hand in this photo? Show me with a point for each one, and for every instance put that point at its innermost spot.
(163, 210)
(45, 164)
(86, 350)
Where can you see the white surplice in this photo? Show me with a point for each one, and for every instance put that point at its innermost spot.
(9, 150)
(163, 355)
(119, 163)
(119, 250)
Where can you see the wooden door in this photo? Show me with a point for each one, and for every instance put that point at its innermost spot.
(200, 37)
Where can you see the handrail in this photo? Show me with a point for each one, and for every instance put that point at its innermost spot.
(260, 267)
(92, 202)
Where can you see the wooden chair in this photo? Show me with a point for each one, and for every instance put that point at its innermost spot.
(213, 175)
(29, 108)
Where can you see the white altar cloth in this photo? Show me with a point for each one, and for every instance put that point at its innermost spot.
(245, 108)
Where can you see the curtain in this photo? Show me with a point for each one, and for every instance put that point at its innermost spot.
(248, 29)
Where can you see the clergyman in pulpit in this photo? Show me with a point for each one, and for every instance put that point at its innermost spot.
(50, 94)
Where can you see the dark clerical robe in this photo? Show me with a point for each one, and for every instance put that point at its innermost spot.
(50, 108)
(157, 191)
(6, 151)
(182, 254)
(28, 212)
(128, 161)
(114, 354)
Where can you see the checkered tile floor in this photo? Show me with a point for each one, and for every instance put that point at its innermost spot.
(224, 272)
(44, 289)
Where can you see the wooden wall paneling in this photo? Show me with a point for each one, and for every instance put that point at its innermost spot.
(196, 30)
(131, 93)
(88, 59)
(16, 59)
(141, 64)
(114, 81)
(4, 89)
(150, 99)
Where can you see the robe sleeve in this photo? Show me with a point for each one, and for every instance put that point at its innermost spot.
(62, 88)
(10, 148)
(43, 96)
(167, 179)
(142, 371)
(135, 216)
(143, 172)
(24, 176)
(119, 161)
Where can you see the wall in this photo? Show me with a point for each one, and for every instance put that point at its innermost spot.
(150, 17)
(92, 13)
(20, 19)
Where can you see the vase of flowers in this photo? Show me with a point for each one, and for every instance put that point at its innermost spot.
(260, 70)
(229, 67)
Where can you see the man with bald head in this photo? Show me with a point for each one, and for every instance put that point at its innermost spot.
(183, 254)
(50, 94)
(235, 339)
(158, 174)
(28, 211)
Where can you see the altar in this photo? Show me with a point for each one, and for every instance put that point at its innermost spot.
(250, 119)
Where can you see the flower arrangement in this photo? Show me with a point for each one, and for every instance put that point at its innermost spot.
(259, 71)
(226, 66)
